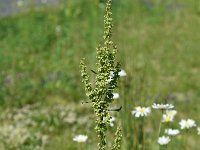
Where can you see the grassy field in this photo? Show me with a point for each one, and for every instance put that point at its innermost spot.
(41, 93)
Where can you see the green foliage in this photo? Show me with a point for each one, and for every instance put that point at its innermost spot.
(35, 61)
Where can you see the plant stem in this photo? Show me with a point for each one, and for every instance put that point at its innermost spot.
(159, 128)
(160, 125)
(141, 135)
(163, 147)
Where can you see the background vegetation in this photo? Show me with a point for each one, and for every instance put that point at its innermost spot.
(40, 52)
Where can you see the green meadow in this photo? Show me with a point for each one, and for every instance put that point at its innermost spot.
(43, 104)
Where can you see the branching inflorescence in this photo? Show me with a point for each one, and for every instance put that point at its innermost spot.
(101, 92)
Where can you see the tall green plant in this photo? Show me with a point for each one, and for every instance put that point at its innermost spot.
(100, 92)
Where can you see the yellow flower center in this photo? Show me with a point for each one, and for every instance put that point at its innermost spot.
(170, 113)
(187, 124)
(142, 110)
(167, 119)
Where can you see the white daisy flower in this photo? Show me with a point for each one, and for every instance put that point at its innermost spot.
(141, 111)
(189, 123)
(122, 73)
(115, 95)
(198, 130)
(111, 121)
(162, 106)
(171, 112)
(172, 132)
(80, 138)
(167, 118)
(164, 140)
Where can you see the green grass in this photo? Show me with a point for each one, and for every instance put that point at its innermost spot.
(158, 47)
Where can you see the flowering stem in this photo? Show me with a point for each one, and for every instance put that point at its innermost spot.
(159, 128)
(185, 138)
(80, 146)
(160, 124)
(100, 92)
(159, 131)
(141, 135)
(163, 147)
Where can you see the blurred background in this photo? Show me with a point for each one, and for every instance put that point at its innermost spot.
(42, 43)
